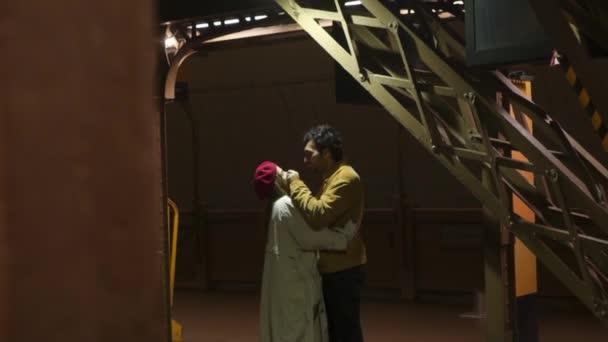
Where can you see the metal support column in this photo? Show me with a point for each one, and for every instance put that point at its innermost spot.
(499, 292)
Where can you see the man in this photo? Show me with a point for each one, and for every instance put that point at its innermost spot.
(339, 200)
(291, 306)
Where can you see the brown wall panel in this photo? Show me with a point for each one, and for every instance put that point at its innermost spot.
(380, 236)
(81, 230)
(448, 249)
(236, 241)
(449, 256)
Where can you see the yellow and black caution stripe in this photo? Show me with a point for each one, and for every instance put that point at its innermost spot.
(584, 99)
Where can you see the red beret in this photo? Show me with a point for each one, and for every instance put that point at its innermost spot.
(263, 180)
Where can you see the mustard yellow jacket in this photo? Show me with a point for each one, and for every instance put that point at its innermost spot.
(339, 200)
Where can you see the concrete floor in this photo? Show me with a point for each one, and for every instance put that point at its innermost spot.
(233, 317)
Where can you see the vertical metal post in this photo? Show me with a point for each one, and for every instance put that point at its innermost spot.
(498, 274)
(524, 261)
(162, 115)
(405, 232)
(197, 205)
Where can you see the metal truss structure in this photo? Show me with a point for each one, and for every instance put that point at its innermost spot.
(414, 65)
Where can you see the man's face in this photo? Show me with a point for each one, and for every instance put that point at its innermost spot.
(313, 157)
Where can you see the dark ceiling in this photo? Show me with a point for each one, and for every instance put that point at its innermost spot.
(171, 10)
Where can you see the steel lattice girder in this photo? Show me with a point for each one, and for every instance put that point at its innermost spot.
(414, 67)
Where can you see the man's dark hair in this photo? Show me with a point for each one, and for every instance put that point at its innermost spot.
(326, 137)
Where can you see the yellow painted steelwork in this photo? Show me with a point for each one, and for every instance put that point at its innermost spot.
(173, 212)
(176, 332)
(600, 127)
(173, 229)
(526, 281)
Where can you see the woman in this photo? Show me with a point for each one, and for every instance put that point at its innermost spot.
(291, 307)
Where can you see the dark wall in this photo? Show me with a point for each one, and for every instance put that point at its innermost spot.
(553, 93)
(253, 102)
(183, 9)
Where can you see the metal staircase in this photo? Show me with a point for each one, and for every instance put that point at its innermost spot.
(414, 66)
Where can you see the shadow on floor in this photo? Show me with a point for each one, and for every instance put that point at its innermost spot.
(233, 317)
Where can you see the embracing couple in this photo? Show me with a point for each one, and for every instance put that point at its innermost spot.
(315, 256)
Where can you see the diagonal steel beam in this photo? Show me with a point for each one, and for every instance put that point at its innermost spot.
(456, 118)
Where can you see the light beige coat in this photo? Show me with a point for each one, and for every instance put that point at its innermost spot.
(291, 307)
